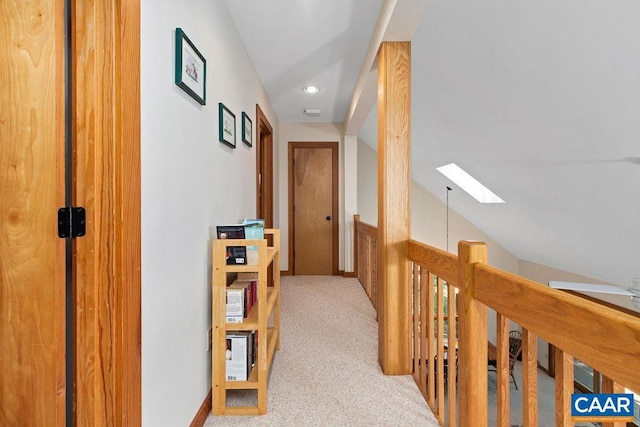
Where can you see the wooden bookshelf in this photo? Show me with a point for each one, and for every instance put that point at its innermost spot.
(264, 311)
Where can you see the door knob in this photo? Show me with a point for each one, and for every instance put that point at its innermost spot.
(328, 218)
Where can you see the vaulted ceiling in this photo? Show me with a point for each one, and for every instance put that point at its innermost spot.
(538, 100)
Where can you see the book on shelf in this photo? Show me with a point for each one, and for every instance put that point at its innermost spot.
(248, 291)
(240, 355)
(252, 279)
(236, 356)
(253, 229)
(235, 305)
(236, 255)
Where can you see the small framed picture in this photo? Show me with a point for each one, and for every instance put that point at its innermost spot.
(191, 68)
(246, 129)
(227, 126)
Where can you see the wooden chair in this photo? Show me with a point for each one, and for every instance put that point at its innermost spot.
(515, 347)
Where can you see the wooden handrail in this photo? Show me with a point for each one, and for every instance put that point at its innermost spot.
(606, 339)
(365, 228)
(442, 264)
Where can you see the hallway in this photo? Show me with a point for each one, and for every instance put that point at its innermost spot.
(326, 372)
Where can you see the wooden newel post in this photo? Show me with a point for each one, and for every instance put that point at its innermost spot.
(472, 351)
(394, 207)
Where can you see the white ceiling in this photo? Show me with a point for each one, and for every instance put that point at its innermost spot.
(538, 100)
(295, 43)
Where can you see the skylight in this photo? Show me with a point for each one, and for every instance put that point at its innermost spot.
(469, 184)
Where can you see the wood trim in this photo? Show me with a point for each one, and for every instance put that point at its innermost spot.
(335, 202)
(203, 412)
(394, 207)
(107, 282)
(285, 273)
(128, 222)
(264, 168)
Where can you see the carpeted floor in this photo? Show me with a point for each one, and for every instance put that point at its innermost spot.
(326, 372)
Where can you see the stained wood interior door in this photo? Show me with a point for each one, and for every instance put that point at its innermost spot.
(313, 183)
(32, 258)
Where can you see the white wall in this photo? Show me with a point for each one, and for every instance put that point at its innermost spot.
(428, 214)
(190, 183)
(367, 184)
(305, 132)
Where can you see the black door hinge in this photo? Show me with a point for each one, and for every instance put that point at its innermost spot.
(71, 222)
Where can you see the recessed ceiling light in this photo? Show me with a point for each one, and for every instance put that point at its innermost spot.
(311, 89)
(469, 184)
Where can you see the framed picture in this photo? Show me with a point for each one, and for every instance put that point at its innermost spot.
(191, 68)
(246, 129)
(227, 126)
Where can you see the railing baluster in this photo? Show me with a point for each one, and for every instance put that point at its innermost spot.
(440, 337)
(609, 386)
(430, 342)
(564, 387)
(416, 324)
(529, 379)
(425, 325)
(452, 371)
(503, 379)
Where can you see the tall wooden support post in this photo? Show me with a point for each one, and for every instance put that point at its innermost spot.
(472, 353)
(394, 207)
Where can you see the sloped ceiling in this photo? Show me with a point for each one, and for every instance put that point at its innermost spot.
(538, 100)
(541, 102)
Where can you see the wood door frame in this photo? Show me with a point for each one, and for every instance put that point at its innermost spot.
(264, 168)
(335, 202)
(106, 172)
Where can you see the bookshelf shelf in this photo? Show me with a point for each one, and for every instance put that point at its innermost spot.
(264, 318)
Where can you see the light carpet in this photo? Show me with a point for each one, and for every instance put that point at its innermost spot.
(326, 372)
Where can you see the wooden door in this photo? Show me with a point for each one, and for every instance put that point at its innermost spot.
(104, 301)
(32, 280)
(314, 207)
